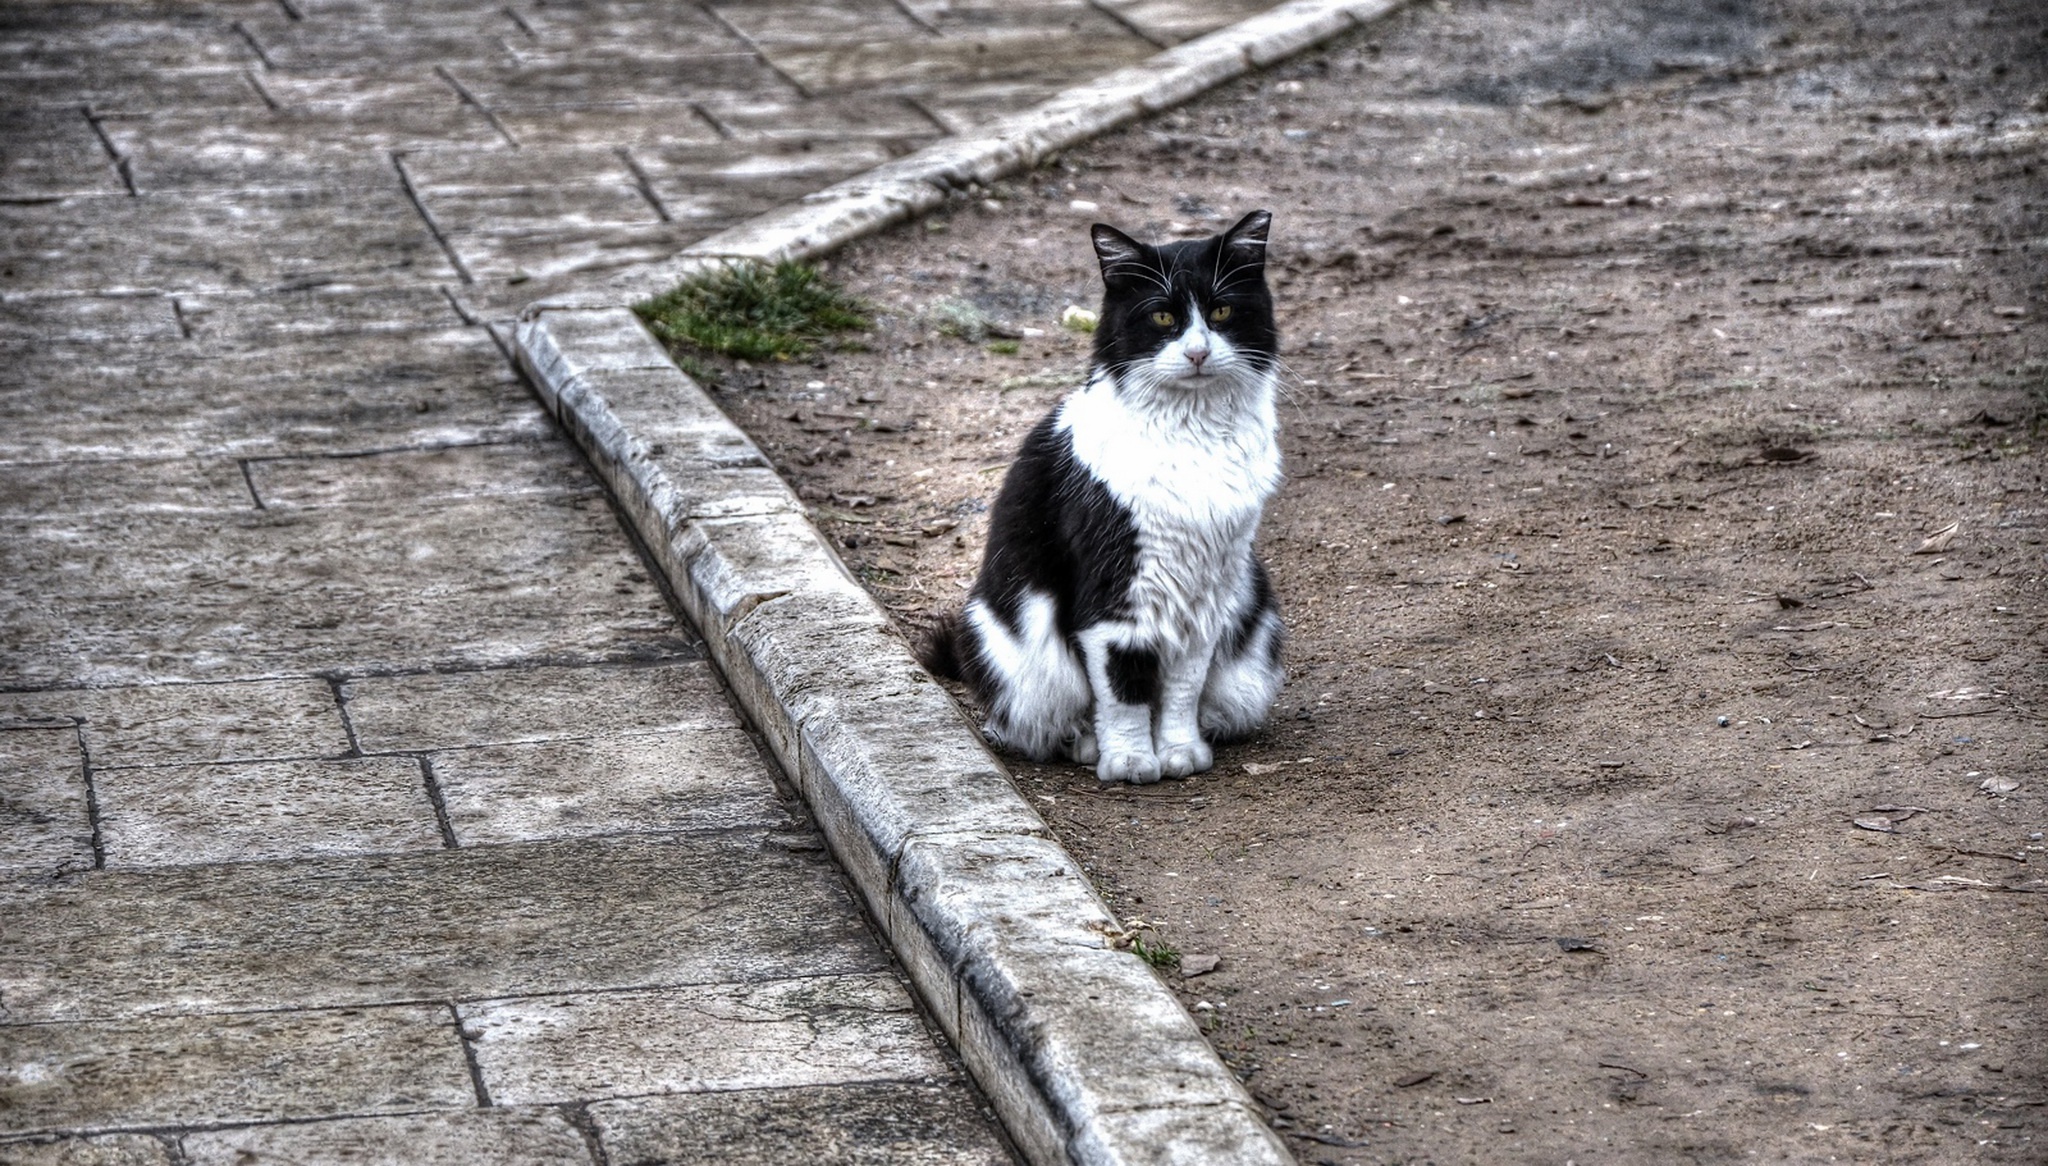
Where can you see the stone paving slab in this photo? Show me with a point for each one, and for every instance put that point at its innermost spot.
(885, 1124)
(763, 1035)
(82, 37)
(287, 395)
(441, 710)
(30, 323)
(79, 489)
(185, 814)
(848, 118)
(63, 156)
(1173, 21)
(269, 1066)
(696, 779)
(183, 724)
(622, 125)
(575, 916)
(254, 238)
(477, 1137)
(275, 320)
(105, 92)
(107, 1150)
(245, 595)
(44, 811)
(308, 148)
(416, 476)
(575, 79)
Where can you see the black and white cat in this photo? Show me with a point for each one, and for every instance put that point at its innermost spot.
(1121, 617)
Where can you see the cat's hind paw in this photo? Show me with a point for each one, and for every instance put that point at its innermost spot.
(1136, 768)
(1184, 759)
(1081, 749)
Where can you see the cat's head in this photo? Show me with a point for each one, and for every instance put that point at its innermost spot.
(1192, 315)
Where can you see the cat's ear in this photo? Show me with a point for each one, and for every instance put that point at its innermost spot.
(1116, 251)
(1247, 240)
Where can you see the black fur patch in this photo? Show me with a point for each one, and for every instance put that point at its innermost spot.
(1134, 675)
(1055, 530)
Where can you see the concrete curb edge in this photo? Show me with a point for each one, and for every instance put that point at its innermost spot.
(1086, 1056)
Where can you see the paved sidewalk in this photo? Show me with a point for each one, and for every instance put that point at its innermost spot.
(359, 790)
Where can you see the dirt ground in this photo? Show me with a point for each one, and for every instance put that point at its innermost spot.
(1660, 778)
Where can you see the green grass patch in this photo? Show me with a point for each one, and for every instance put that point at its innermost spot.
(1156, 952)
(755, 312)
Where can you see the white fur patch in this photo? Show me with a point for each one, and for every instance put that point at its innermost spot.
(1195, 493)
(1042, 708)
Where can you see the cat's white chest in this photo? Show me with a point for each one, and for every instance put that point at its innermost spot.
(1194, 488)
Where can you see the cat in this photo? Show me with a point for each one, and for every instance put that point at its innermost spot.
(1121, 618)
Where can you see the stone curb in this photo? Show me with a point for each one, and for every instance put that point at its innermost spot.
(1086, 1056)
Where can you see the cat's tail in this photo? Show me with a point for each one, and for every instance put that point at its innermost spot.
(940, 651)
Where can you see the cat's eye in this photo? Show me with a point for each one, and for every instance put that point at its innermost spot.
(1163, 319)
(1219, 313)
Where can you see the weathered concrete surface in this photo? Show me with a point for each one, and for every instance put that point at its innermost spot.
(107, 1150)
(181, 724)
(699, 1039)
(447, 709)
(885, 1124)
(269, 1066)
(44, 814)
(694, 779)
(250, 594)
(475, 1137)
(572, 916)
(172, 815)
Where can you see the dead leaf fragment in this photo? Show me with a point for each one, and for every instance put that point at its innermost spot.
(1193, 964)
(1937, 541)
(1881, 825)
(1998, 787)
(1414, 1079)
(1783, 455)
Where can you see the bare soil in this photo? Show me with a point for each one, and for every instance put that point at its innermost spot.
(1656, 781)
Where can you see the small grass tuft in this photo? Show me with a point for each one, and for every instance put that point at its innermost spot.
(1155, 952)
(754, 312)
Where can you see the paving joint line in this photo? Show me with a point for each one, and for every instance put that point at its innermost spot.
(578, 1116)
(519, 20)
(476, 1069)
(256, 83)
(255, 46)
(433, 228)
(339, 687)
(1129, 25)
(440, 803)
(467, 98)
(92, 796)
(248, 480)
(120, 160)
(1083, 1052)
(644, 184)
(917, 17)
(734, 31)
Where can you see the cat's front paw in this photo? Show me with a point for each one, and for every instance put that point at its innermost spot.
(1184, 759)
(1136, 768)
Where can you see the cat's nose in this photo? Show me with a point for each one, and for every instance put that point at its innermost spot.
(1196, 355)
